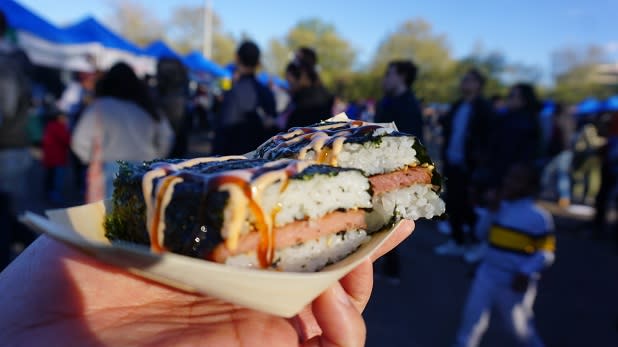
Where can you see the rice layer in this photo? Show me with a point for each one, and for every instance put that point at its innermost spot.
(310, 256)
(384, 154)
(414, 202)
(314, 197)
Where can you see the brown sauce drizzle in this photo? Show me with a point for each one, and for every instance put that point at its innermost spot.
(252, 182)
(324, 140)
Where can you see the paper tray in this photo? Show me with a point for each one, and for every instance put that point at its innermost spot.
(279, 293)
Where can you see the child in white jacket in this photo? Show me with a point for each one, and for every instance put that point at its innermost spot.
(521, 245)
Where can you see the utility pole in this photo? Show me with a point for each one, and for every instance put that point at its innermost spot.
(207, 35)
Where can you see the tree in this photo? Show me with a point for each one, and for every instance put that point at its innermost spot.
(276, 57)
(187, 29)
(132, 20)
(575, 73)
(415, 40)
(336, 56)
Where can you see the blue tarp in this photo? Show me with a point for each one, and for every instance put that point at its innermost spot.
(589, 105)
(159, 50)
(611, 104)
(22, 18)
(90, 30)
(264, 78)
(196, 61)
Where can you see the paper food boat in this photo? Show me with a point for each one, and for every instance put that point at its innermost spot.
(279, 293)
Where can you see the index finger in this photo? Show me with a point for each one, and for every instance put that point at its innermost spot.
(403, 230)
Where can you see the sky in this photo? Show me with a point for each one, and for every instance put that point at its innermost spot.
(526, 31)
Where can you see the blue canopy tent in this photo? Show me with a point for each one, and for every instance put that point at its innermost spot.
(160, 50)
(21, 18)
(196, 61)
(588, 106)
(281, 82)
(45, 44)
(90, 30)
(112, 47)
(611, 104)
(265, 78)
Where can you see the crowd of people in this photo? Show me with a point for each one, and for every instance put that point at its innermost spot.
(498, 155)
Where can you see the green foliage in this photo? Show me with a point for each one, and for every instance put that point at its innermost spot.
(415, 40)
(276, 57)
(577, 84)
(336, 56)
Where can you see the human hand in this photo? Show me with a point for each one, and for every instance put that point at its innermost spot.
(520, 282)
(53, 295)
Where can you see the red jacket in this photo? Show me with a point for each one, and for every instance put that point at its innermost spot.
(56, 143)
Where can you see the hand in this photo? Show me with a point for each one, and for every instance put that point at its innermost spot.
(53, 295)
(520, 283)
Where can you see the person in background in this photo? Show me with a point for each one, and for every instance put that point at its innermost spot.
(247, 114)
(369, 112)
(559, 150)
(311, 102)
(609, 174)
(521, 245)
(15, 98)
(339, 105)
(122, 123)
(56, 145)
(498, 104)
(399, 103)
(465, 131)
(201, 107)
(76, 97)
(307, 55)
(516, 136)
(172, 98)
(586, 163)
(15, 157)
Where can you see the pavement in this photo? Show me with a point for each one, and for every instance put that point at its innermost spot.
(577, 302)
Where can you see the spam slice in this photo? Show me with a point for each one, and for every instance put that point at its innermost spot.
(405, 183)
(286, 214)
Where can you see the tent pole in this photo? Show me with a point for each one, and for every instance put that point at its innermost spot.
(207, 46)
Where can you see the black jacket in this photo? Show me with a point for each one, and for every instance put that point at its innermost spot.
(240, 126)
(309, 106)
(515, 138)
(477, 132)
(404, 110)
